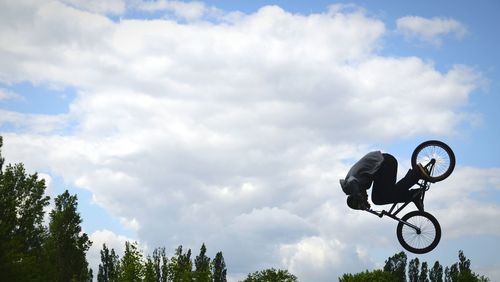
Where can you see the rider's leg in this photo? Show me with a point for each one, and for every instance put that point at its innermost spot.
(384, 182)
(402, 187)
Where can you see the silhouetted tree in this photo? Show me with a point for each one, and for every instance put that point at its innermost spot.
(397, 266)
(413, 270)
(160, 261)
(436, 273)
(202, 266)
(271, 275)
(108, 268)
(66, 244)
(423, 276)
(219, 270)
(461, 271)
(22, 200)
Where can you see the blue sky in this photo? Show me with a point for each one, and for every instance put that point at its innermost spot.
(230, 122)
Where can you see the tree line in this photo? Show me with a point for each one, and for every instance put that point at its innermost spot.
(133, 266)
(395, 270)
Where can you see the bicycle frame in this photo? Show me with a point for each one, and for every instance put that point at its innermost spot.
(393, 211)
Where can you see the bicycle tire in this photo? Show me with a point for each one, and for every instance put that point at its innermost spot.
(415, 242)
(441, 153)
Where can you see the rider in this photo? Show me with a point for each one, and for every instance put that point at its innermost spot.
(381, 170)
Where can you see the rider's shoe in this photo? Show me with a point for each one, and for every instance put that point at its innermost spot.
(417, 199)
(423, 173)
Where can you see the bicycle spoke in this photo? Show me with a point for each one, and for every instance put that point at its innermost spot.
(425, 238)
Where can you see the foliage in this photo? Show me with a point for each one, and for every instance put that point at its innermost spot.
(395, 267)
(66, 244)
(202, 266)
(461, 272)
(108, 269)
(369, 276)
(219, 268)
(436, 272)
(131, 265)
(271, 275)
(413, 270)
(22, 200)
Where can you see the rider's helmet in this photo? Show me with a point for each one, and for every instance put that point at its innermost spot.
(357, 202)
(353, 202)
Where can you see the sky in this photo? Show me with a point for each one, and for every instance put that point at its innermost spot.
(230, 123)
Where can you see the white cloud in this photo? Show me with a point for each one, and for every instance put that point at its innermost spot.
(430, 30)
(233, 132)
(7, 94)
(112, 241)
(193, 10)
(465, 202)
(113, 7)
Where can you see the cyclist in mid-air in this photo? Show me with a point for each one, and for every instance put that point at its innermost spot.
(381, 170)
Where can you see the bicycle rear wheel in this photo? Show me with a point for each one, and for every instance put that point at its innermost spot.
(437, 157)
(423, 240)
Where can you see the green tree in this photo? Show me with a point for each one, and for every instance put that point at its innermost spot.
(131, 266)
(413, 271)
(66, 244)
(219, 270)
(397, 266)
(202, 271)
(369, 276)
(436, 273)
(271, 274)
(461, 272)
(424, 271)
(108, 268)
(149, 271)
(160, 262)
(180, 266)
(22, 200)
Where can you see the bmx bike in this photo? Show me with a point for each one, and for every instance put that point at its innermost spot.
(419, 231)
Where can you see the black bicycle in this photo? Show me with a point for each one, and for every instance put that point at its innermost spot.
(419, 231)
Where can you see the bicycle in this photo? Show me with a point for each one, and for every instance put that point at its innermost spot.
(419, 231)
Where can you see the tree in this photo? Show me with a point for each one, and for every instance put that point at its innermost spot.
(66, 244)
(22, 200)
(219, 268)
(149, 271)
(271, 275)
(413, 270)
(436, 273)
(461, 272)
(423, 277)
(160, 262)
(202, 266)
(371, 276)
(397, 266)
(131, 266)
(108, 268)
(180, 266)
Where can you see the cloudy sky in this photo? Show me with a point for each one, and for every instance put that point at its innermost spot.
(230, 123)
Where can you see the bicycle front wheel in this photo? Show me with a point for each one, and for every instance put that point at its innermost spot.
(436, 157)
(422, 239)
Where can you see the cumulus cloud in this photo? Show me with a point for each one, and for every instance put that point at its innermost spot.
(430, 30)
(113, 7)
(231, 132)
(112, 241)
